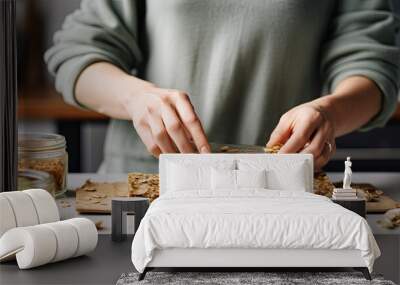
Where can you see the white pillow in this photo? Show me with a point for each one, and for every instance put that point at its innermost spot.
(183, 178)
(251, 178)
(223, 179)
(294, 180)
(236, 179)
(189, 176)
(281, 175)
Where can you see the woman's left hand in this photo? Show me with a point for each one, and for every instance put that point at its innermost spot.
(306, 128)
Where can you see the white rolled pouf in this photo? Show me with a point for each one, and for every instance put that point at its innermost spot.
(7, 218)
(46, 207)
(23, 208)
(40, 244)
(67, 240)
(32, 246)
(87, 235)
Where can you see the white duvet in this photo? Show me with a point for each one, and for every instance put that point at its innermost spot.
(250, 219)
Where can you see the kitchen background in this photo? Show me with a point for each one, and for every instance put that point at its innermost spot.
(41, 109)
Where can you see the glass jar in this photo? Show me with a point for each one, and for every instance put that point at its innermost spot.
(47, 153)
(33, 179)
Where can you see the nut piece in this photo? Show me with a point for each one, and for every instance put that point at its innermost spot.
(99, 225)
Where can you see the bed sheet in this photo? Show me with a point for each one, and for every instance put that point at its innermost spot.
(251, 218)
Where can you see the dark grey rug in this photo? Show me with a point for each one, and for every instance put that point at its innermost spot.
(268, 278)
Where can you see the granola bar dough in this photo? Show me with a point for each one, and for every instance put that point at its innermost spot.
(144, 185)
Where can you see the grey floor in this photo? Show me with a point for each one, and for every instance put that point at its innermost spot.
(110, 259)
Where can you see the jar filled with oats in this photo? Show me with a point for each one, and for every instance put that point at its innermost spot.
(46, 153)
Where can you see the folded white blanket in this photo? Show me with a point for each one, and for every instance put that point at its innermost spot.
(250, 219)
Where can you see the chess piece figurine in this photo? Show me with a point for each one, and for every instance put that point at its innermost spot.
(347, 174)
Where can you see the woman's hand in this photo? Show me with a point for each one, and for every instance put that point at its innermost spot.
(166, 121)
(306, 128)
(312, 127)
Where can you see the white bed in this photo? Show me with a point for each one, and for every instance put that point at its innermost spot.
(248, 227)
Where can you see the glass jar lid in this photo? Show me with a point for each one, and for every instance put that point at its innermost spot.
(36, 142)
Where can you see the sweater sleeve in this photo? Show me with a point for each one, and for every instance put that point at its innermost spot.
(101, 30)
(362, 41)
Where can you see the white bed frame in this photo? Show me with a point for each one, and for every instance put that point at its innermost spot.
(250, 258)
(234, 257)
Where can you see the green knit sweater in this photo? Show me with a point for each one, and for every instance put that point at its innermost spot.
(244, 63)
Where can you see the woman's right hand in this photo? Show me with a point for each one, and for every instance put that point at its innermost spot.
(166, 121)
